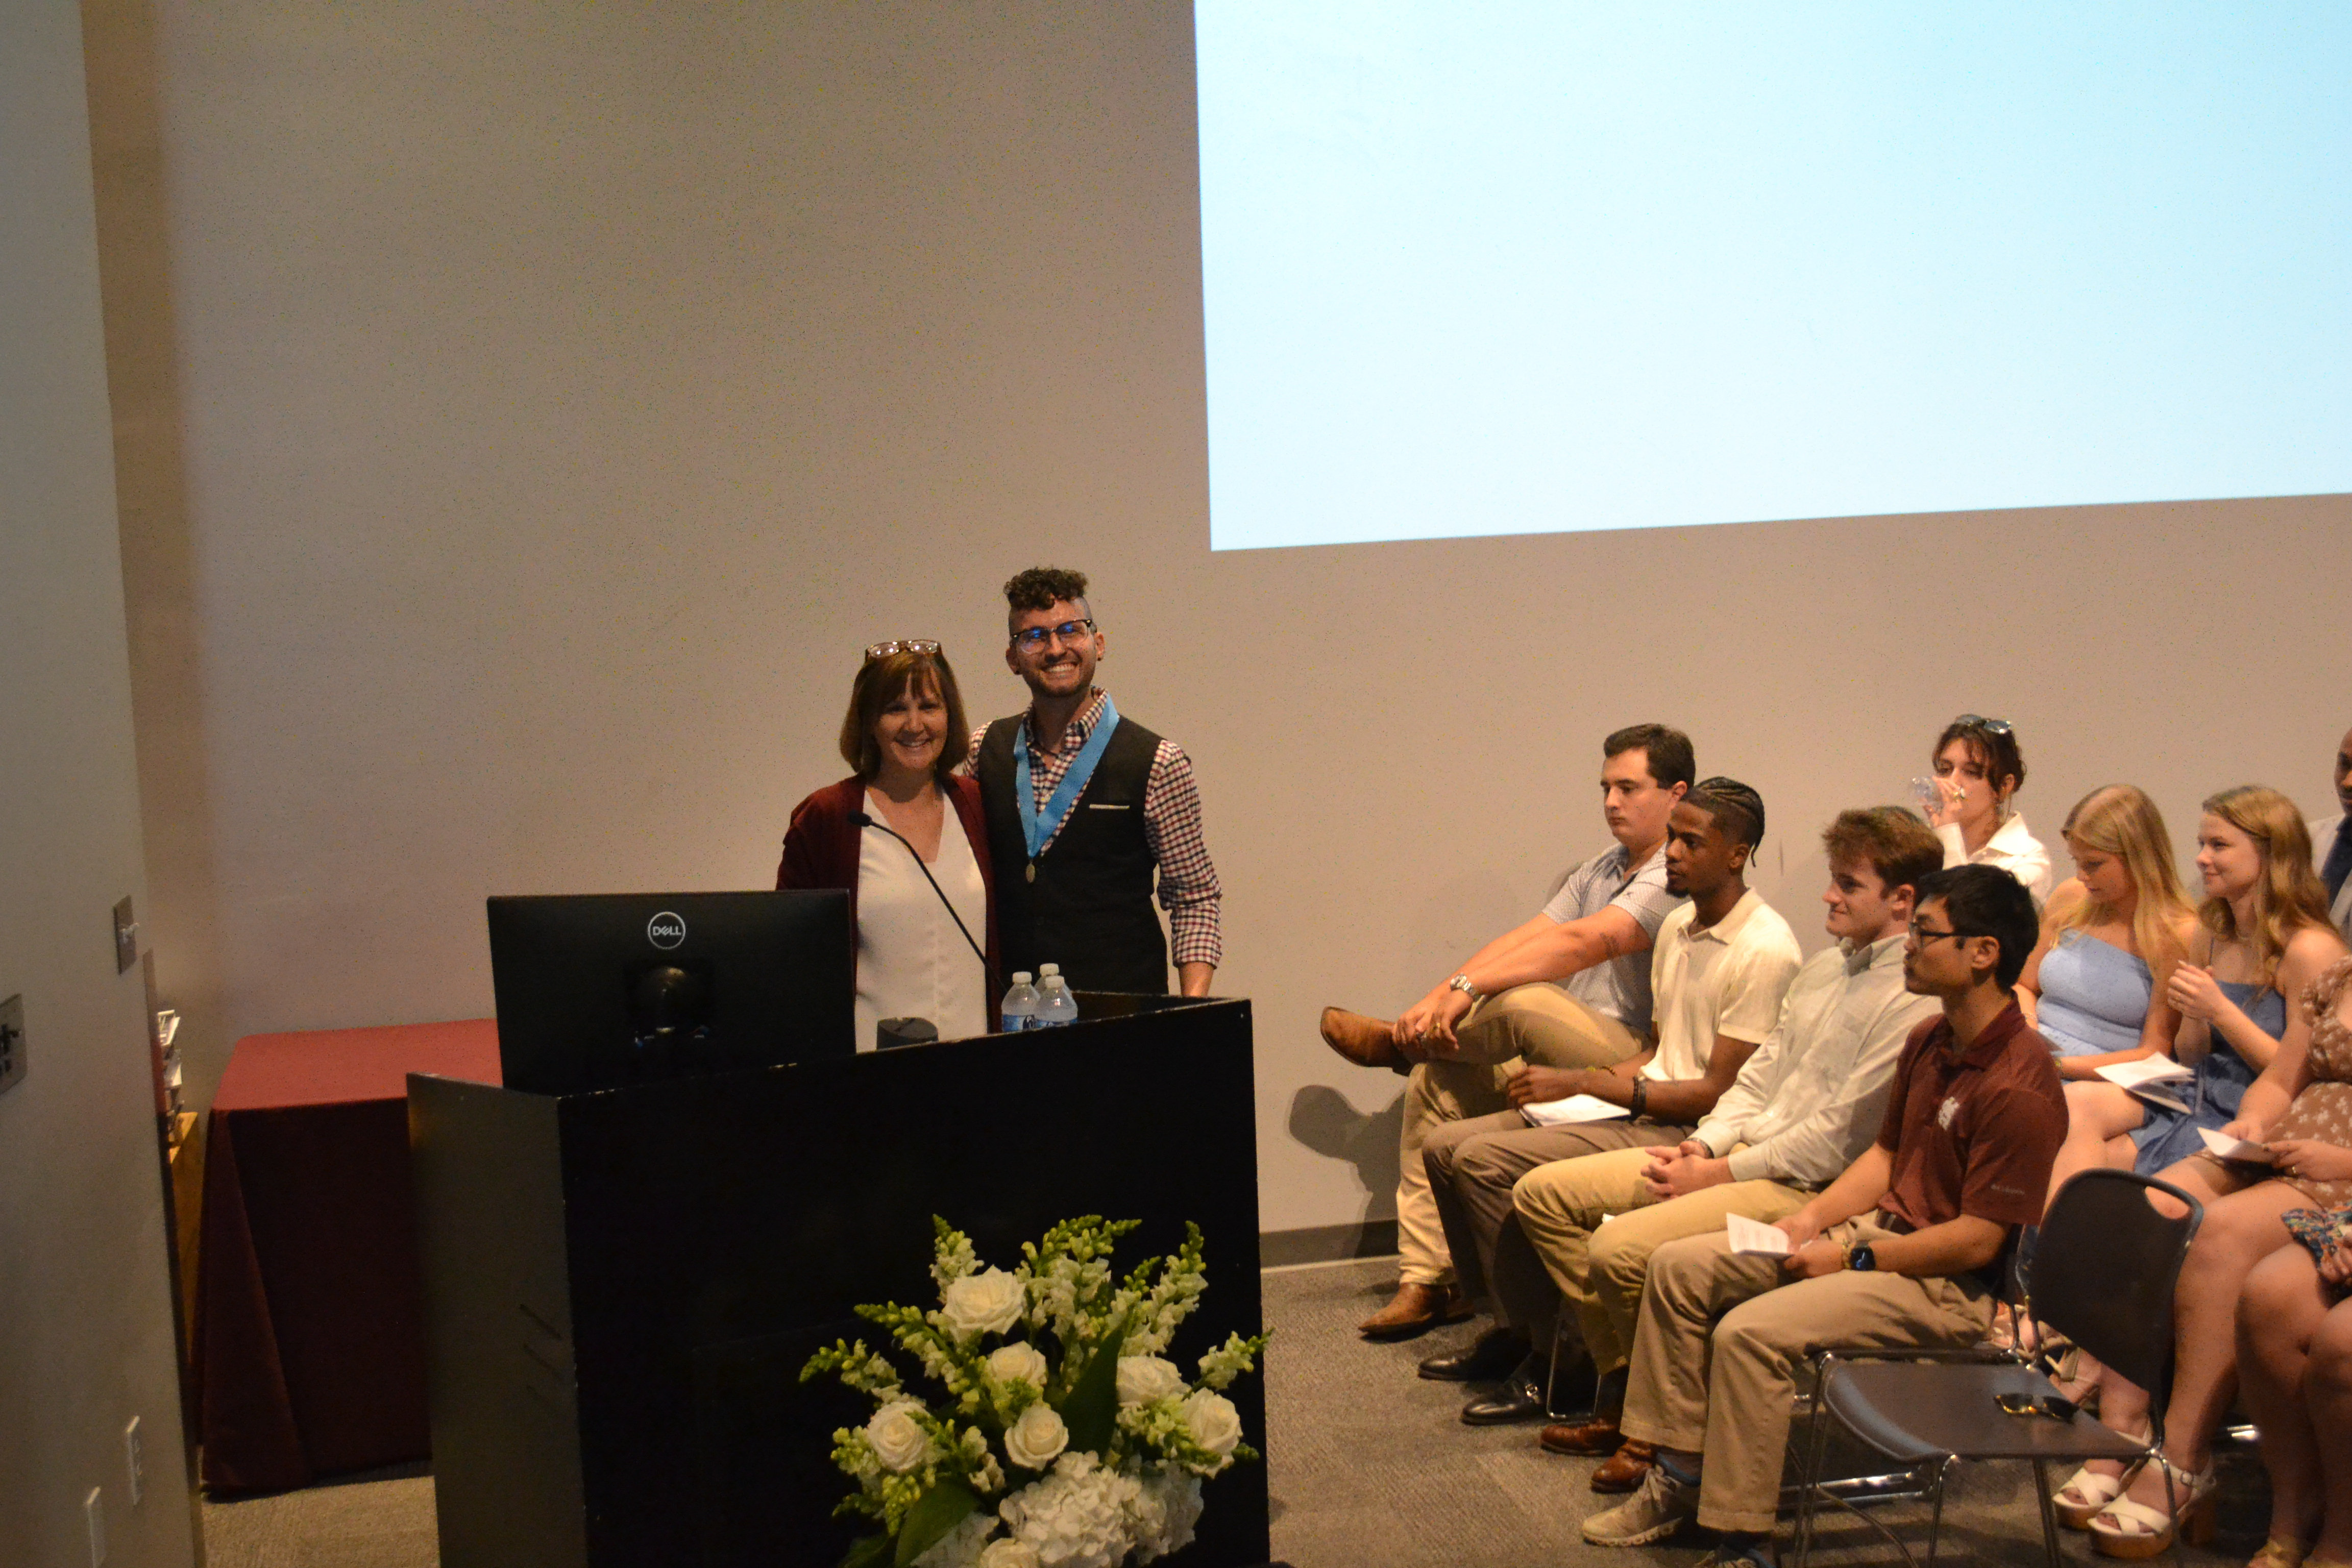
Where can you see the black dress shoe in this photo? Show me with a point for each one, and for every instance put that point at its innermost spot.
(1491, 1355)
(1520, 1398)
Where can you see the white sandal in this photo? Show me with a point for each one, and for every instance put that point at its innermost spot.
(2090, 1491)
(2132, 1530)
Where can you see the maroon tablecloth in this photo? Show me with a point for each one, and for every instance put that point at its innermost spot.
(310, 1308)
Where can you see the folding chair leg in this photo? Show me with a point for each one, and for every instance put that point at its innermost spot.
(1552, 1363)
(1936, 1511)
(2049, 1513)
(1817, 1442)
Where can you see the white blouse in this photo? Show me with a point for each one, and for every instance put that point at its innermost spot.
(912, 961)
(2012, 848)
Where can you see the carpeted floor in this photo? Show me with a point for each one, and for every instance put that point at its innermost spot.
(1370, 1469)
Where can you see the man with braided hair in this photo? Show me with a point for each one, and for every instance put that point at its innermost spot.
(1717, 972)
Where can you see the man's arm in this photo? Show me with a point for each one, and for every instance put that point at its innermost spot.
(1857, 1191)
(1683, 1099)
(1189, 890)
(1541, 949)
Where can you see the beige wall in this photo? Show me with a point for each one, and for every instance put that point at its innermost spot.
(568, 395)
(84, 1310)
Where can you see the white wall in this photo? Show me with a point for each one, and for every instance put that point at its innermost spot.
(84, 1310)
(568, 397)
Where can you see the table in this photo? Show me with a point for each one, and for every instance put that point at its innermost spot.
(309, 1344)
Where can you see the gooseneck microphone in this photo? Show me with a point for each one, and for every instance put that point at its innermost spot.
(863, 820)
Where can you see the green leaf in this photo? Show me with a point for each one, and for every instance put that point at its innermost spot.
(935, 1513)
(869, 1552)
(1090, 1410)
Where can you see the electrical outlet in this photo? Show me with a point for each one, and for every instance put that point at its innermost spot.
(93, 1508)
(126, 938)
(133, 1462)
(12, 1042)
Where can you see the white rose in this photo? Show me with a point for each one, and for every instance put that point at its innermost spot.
(1213, 1422)
(1009, 1555)
(985, 1303)
(895, 1439)
(1144, 1378)
(1018, 1363)
(1033, 1440)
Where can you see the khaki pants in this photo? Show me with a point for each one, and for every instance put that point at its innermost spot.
(1724, 1388)
(1599, 1268)
(1475, 1166)
(1539, 1024)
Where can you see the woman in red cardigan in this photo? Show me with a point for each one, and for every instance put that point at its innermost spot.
(905, 734)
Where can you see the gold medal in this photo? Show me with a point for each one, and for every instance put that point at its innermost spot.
(1033, 870)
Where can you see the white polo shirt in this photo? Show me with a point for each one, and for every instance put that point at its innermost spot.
(1725, 979)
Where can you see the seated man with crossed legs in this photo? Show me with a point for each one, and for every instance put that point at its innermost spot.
(1721, 965)
(1803, 1107)
(1570, 987)
(1902, 1249)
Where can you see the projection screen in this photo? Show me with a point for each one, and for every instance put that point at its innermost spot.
(1519, 266)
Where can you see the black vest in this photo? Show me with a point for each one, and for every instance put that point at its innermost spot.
(1089, 909)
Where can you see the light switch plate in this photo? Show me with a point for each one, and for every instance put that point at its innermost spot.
(126, 938)
(12, 1042)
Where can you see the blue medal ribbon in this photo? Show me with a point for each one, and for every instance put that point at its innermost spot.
(1037, 825)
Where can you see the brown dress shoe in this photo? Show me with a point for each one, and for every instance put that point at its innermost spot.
(1366, 1042)
(1591, 1438)
(1415, 1310)
(1622, 1471)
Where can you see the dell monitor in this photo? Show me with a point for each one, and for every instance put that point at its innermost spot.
(601, 990)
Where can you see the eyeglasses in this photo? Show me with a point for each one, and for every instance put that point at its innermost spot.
(1978, 721)
(904, 645)
(1921, 936)
(1031, 638)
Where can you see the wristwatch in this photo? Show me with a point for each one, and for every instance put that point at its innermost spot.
(1859, 1258)
(1462, 983)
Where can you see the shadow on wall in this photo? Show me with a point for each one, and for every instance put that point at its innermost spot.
(1322, 1118)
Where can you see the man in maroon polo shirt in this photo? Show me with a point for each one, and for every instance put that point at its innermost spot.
(1899, 1250)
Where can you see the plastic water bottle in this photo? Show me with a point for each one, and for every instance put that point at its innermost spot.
(1019, 1010)
(1055, 1005)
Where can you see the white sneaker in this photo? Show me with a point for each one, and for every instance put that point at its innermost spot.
(1660, 1507)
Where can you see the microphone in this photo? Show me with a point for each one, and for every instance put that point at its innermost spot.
(863, 820)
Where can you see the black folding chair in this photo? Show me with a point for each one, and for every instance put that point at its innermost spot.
(2102, 1273)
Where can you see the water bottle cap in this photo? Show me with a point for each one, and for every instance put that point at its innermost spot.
(1049, 969)
(1020, 977)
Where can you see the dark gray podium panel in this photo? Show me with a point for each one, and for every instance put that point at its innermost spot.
(621, 1287)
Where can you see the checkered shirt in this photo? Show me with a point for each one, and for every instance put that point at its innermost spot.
(1171, 826)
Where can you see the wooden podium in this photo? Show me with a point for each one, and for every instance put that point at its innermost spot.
(621, 1287)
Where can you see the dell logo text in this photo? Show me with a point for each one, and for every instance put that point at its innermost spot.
(665, 929)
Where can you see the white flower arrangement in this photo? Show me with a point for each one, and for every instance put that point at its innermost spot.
(1088, 1458)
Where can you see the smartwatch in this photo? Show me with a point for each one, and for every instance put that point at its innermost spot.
(1859, 1257)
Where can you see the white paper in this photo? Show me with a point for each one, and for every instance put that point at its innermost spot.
(1575, 1108)
(2148, 1069)
(2225, 1147)
(1751, 1236)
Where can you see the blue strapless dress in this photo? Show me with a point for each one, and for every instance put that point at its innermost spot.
(2095, 997)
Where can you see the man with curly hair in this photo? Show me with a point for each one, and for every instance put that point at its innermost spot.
(1088, 811)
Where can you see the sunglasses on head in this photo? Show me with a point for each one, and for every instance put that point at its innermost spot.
(904, 645)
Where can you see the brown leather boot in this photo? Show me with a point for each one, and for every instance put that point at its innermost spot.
(1590, 1439)
(1414, 1309)
(1366, 1042)
(1622, 1471)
